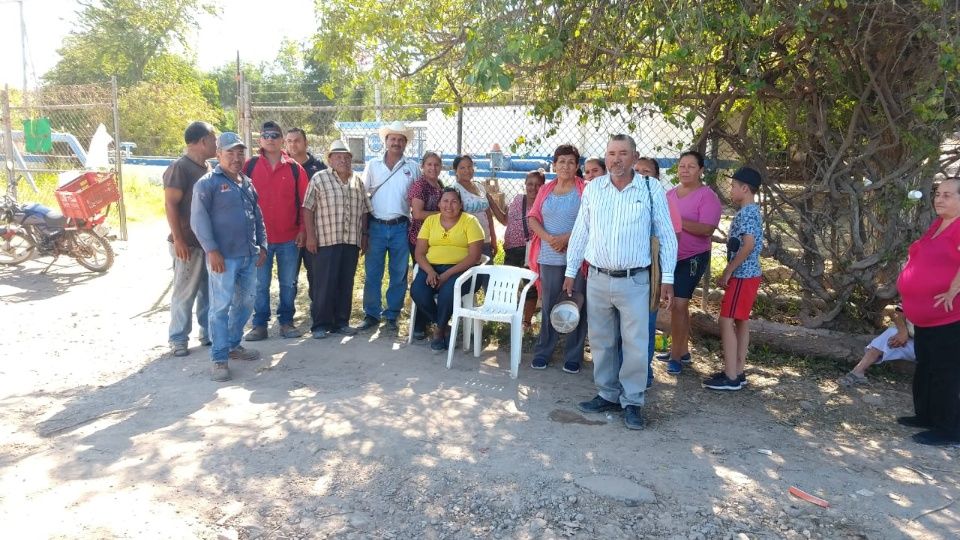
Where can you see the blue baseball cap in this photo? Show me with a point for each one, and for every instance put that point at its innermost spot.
(228, 140)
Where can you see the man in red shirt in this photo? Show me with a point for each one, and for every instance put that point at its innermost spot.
(281, 184)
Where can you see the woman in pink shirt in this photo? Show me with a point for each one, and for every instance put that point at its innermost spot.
(928, 286)
(700, 211)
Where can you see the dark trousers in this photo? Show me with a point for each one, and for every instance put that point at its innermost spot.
(551, 285)
(331, 271)
(936, 381)
(435, 304)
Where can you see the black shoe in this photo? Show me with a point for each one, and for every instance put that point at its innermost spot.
(741, 378)
(368, 323)
(935, 438)
(571, 367)
(721, 382)
(345, 330)
(392, 325)
(598, 405)
(912, 421)
(632, 417)
(419, 335)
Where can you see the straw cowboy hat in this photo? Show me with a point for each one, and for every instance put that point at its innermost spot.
(396, 128)
(338, 147)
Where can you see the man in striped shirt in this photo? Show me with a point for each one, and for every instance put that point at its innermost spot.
(618, 214)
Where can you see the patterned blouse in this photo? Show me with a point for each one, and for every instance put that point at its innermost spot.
(516, 217)
(423, 190)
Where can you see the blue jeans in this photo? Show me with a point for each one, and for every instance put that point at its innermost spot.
(231, 302)
(288, 267)
(385, 240)
(436, 304)
(619, 312)
(189, 286)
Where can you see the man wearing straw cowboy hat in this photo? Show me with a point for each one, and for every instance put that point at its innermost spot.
(335, 211)
(387, 180)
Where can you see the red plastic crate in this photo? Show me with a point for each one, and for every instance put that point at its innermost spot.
(86, 196)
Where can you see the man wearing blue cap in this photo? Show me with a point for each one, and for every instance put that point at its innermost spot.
(226, 218)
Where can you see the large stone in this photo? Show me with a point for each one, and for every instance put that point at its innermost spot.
(620, 489)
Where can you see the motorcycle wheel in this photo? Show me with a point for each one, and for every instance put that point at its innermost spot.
(16, 249)
(92, 251)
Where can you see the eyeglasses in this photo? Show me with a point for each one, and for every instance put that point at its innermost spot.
(270, 135)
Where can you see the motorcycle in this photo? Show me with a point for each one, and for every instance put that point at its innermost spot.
(32, 230)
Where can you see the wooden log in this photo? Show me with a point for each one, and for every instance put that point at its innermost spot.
(783, 337)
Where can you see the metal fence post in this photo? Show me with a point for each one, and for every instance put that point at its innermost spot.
(118, 158)
(8, 144)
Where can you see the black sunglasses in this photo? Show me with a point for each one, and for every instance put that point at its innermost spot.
(270, 135)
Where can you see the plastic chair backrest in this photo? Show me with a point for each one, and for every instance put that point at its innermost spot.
(503, 284)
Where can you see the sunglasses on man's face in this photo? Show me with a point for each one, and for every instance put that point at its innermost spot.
(270, 135)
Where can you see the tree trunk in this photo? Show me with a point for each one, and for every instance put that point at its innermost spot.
(792, 339)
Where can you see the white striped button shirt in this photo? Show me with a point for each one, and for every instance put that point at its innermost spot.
(612, 230)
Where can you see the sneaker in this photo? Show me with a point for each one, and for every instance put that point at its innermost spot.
(598, 405)
(240, 353)
(632, 418)
(344, 331)
(539, 363)
(319, 333)
(220, 372)
(289, 331)
(571, 367)
(741, 378)
(368, 322)
(179, 349)
(392, 325)
(438, 345)
(674, 367)
(257, 333)
(419, 335)
(721, 382)
(665, 357)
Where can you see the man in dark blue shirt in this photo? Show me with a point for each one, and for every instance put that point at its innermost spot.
(226, 218)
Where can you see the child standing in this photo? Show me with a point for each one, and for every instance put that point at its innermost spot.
(740, 280)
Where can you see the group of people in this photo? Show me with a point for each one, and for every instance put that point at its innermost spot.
(598, 231)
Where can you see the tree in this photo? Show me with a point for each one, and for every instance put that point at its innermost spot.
(843, 105)
(121, 37)
(155, 115)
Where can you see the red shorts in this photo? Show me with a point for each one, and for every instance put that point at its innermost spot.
(739, 297)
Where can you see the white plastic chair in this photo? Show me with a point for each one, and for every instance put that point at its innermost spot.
(467, 298)
(501, 303)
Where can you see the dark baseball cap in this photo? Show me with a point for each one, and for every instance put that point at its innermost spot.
(748, 176)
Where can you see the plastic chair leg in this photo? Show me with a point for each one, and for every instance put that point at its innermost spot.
(413, 320)
(477, 337)
(453, 338)
(516, 347)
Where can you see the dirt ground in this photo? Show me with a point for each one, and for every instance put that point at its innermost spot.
(104, 435)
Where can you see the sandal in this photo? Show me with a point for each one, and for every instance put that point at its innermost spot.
(852, 379)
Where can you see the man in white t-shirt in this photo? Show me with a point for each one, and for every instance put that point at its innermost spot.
(387, 180)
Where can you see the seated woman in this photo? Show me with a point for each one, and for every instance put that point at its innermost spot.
(448, 244)
(896, 343)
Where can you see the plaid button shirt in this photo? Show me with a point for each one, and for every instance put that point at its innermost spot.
(339, 207)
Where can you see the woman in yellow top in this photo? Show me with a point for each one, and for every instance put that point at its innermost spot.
(448, 244)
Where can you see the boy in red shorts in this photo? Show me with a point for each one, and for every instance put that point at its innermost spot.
(740, 280)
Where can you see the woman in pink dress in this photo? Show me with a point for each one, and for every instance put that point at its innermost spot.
(928, 286)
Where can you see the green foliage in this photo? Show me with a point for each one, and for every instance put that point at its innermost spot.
(122, 37)
(155, 115)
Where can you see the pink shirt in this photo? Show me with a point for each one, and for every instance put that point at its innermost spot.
(931, 266)
(702, 206)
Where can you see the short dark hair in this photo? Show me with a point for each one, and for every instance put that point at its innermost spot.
(697, 155)
(567, 150)
(196, 131)
(652, 161)
(458, 159)
(271, 126)
(297, 130)
(455, 191)
(753, 189)
(624, 137)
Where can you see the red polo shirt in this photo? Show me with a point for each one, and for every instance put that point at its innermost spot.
(278, 201)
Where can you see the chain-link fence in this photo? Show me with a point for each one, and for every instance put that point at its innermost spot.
(52, 133)
(525, 141)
